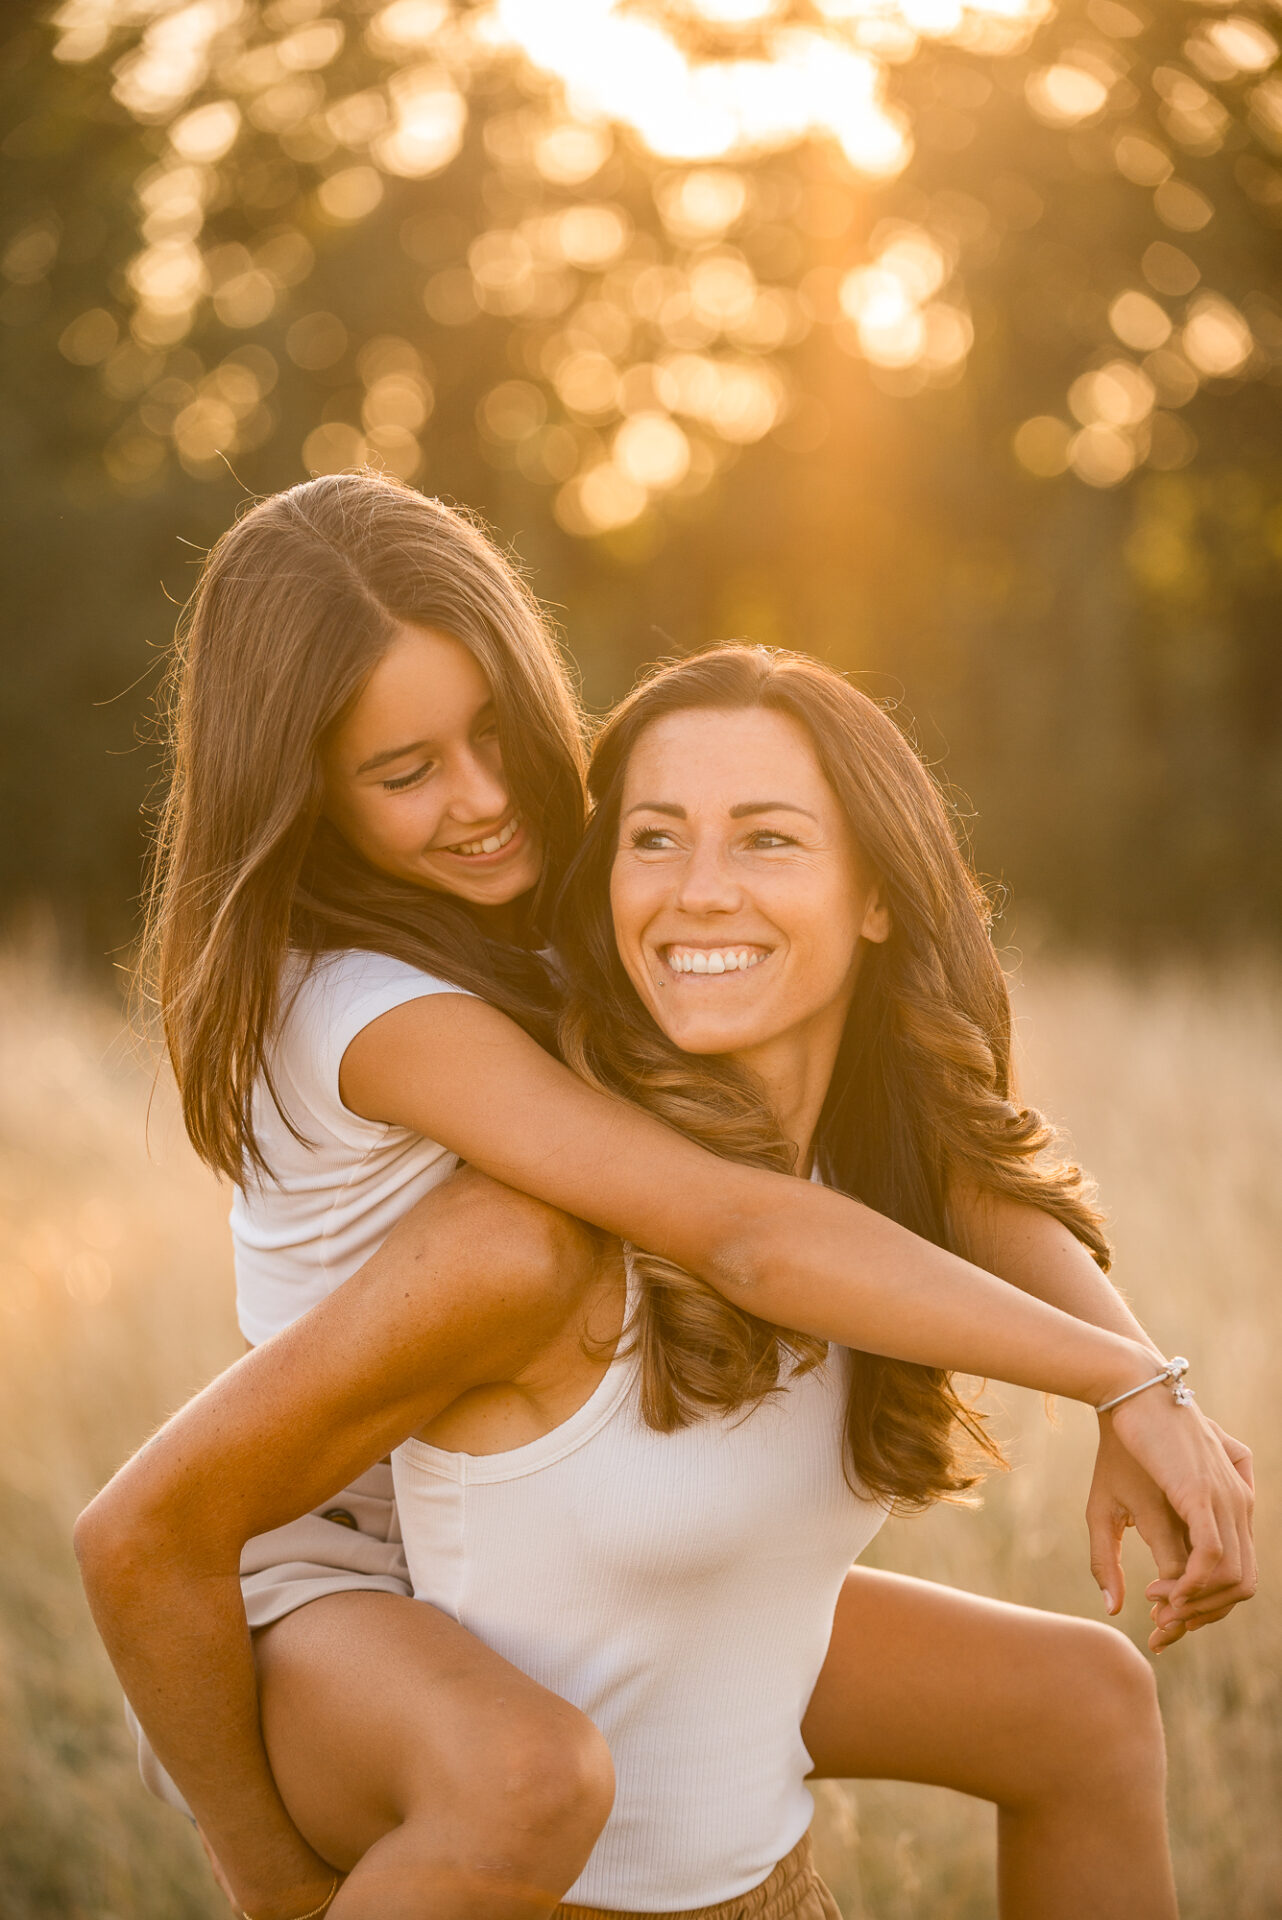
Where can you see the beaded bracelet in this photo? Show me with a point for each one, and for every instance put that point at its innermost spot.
(1172, 1375)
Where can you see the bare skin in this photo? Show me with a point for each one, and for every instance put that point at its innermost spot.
(1053, 1720)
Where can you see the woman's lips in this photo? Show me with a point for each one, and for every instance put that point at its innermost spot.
(704, 961)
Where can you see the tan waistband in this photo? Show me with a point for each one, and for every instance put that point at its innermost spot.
(793, 1891)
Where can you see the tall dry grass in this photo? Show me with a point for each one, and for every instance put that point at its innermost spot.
(115, 1303)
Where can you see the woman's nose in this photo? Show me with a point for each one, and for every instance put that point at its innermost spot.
(708, 883)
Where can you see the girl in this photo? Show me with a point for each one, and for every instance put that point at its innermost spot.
(376, 789)
(672, 1572)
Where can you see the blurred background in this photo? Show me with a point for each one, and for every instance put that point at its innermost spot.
(942, 339)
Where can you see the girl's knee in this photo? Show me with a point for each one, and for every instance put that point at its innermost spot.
(554, 1774)
(1110, 1725)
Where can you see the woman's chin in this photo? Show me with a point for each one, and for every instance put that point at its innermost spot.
(709, 1036)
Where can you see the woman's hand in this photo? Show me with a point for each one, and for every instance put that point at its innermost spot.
(1123, 1495)
(1204, 1477)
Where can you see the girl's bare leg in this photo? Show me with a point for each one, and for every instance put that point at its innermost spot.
(1055, 1720)
(444, 1782)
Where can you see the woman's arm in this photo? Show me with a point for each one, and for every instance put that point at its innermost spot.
(278, 1433)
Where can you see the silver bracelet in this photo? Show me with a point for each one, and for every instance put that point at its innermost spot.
(1172, 1375)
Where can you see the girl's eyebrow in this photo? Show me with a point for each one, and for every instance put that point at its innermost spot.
(393, 753)
(741, 812)
(415, 746)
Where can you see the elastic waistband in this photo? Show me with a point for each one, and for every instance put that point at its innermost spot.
(793, 1891)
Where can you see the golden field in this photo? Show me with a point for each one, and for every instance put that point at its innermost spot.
(115, 1303)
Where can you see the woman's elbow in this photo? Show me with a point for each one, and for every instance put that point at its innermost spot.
(111, 1538)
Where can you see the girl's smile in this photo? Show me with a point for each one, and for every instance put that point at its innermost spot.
(414, 776)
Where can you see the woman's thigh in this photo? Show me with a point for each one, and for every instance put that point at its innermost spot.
(925, 1683)
(378, 1711)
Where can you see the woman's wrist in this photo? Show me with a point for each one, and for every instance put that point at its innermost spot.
(294, 1881)
(314, 1912)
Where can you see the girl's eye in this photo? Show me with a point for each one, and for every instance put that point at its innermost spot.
(767, 837)
(651, 839)
(404, 780)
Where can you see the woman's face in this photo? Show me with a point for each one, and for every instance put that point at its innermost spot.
(414, 776)
(740, 899)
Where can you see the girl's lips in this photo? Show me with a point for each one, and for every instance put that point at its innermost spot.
(483, 861)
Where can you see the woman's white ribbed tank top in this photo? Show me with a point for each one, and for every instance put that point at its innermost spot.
(679, 1588)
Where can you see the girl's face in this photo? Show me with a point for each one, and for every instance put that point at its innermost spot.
(740, 899)
(414, 776)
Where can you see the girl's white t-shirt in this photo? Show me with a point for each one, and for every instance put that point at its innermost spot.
(333, 1197)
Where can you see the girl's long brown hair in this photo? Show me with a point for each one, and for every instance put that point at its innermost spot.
(922, 1097)
(295, 606)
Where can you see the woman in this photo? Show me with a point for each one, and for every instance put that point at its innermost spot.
(786, 965)
(376, 786)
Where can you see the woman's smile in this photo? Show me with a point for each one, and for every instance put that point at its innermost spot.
(739, 898)
(712, 962)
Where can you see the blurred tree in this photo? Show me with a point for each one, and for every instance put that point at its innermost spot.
(945, 340)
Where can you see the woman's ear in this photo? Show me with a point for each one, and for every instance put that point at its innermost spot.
(877, 921)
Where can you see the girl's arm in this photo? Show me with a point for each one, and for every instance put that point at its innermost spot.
(1038, 1254)
(452, 1068)
(281, 1431)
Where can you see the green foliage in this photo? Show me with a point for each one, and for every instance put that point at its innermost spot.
(971, 385)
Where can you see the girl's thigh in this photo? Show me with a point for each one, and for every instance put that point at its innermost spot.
(925, 1683)
(379, 1711)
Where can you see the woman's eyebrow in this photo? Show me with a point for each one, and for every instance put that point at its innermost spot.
(741, 812)
(746, 807)
(393, 753)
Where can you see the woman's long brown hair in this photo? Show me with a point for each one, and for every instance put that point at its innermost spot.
(922, 1097)
(294, 608)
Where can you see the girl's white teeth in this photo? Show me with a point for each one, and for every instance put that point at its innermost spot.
(714, 959)
(492, 842)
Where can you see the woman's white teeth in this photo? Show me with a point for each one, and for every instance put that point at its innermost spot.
(492, 842)
(714, 959)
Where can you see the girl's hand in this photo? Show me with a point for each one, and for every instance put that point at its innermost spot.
(1122, 1495)
(1214, 1603)
(1205, 1478)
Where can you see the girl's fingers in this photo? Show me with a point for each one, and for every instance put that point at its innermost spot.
(1204, 1561)
(1105, 1525)
(1240, 1455)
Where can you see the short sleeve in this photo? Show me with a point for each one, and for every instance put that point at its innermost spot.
(337, 998)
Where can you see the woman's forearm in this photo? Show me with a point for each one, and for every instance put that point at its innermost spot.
(187, 1669)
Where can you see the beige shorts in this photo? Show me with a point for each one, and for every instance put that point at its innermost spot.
(793, 1891)
(350, 1545)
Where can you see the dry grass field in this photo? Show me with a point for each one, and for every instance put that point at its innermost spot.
(115, 1303)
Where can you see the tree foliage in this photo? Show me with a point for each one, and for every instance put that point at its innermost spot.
(943, 339)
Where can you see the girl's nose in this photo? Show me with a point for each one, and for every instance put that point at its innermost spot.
(480, 792)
